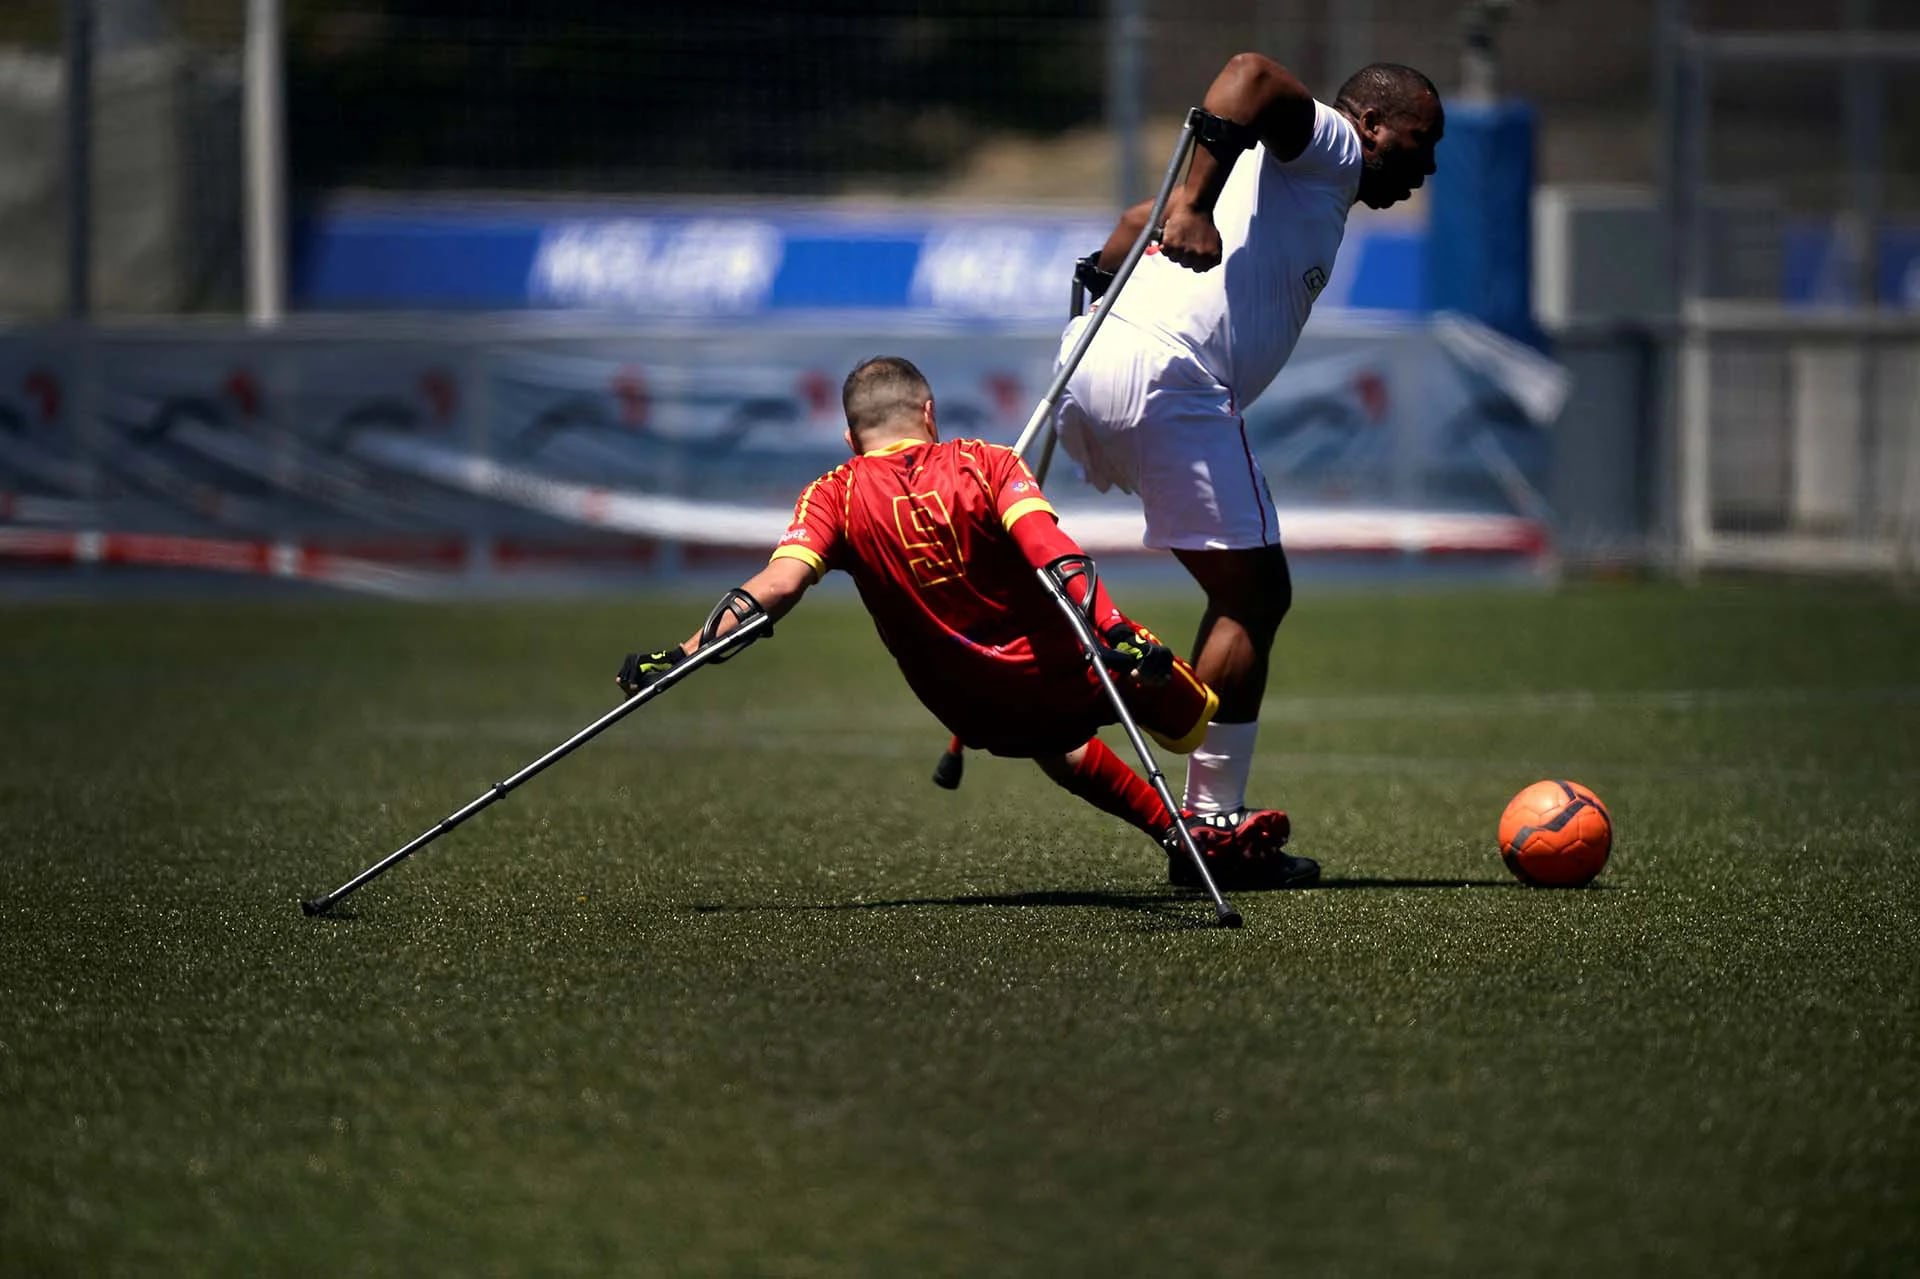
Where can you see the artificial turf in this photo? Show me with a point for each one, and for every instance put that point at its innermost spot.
(736, 990)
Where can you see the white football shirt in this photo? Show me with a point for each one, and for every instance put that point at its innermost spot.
(1280, 226)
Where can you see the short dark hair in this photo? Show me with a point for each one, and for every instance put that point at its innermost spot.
(881, 389)
(1387, 87)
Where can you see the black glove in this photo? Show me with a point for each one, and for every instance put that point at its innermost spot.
(1128, 649)
(642, 670)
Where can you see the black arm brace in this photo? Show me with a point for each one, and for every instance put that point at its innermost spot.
(743, 606)
(1225, 138)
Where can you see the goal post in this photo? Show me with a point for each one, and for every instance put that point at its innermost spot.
(1796, 409)
(1799, 439)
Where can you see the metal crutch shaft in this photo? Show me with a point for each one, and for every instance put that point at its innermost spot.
(717, 650)
(1044, 412)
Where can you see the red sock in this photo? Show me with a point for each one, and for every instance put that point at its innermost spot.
(1104, 781)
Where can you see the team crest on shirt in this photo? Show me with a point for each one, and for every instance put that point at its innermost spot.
(1020, 486)
(1315, 279)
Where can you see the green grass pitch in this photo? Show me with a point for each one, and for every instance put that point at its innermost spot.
(736, 990)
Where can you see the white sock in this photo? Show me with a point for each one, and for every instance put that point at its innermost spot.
(1217, 771)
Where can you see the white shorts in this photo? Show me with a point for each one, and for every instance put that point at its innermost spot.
(1142, 415)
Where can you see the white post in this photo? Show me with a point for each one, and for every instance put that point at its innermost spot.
(1906, 507)
(1126, 29)
(79, 158)
(266, 169)
(1695, 375)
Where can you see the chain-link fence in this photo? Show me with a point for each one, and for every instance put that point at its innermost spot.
(968, 101)
(984, 99)
(773, 98)
(973, 102)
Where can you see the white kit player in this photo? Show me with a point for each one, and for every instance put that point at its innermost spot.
(1202, 326)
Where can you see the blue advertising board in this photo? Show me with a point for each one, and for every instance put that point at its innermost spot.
(746, 261)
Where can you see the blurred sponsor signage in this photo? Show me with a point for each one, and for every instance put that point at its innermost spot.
(760, 259)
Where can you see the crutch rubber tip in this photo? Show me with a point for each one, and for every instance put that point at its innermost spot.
(1230, 918)
(313, 907)
(946, 773)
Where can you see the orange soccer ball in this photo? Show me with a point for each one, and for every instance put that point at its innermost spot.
(1555, 835)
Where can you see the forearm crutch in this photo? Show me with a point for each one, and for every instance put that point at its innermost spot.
(751, 622)
(1055, 578)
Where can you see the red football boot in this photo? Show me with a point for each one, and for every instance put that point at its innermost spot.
(1243, 848)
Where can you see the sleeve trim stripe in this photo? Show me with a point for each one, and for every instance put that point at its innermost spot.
(805, 556)
(1026, 506)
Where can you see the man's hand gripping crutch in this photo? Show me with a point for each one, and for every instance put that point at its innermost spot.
(1088, 277)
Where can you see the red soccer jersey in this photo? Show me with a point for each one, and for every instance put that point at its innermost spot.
(922, 529)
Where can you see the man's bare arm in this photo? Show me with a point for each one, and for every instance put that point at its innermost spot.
(1125, 232)
(778, 587)
(1255, 91)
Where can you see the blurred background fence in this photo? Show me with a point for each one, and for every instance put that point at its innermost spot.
(1676, 243)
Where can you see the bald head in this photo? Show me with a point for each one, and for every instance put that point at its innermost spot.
(1390, 89)
(885, 398)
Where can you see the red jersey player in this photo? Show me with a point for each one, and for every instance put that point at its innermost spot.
(943, 538)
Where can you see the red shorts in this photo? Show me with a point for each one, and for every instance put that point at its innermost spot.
(1039, 713)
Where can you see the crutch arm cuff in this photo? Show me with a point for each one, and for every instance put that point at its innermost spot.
(1096, 604)
(1225, 138)
(741, 605)
(1047, 547)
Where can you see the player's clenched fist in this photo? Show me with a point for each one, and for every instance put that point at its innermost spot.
(1189, 238)
(1134, 650)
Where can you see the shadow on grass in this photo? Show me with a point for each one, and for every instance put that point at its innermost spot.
(1360, 882)
(1506, 885)
(1165, 901)
(1164, 907)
